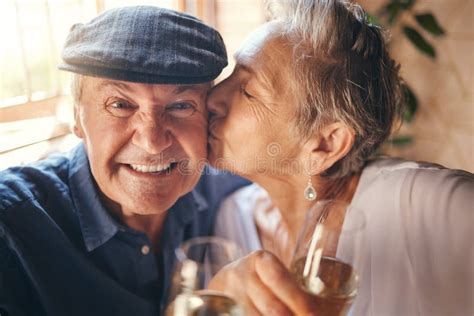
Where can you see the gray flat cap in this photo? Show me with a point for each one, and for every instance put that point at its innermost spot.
(145, 44)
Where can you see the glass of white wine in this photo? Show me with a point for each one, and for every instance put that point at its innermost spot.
(198, 260)
(328, 258)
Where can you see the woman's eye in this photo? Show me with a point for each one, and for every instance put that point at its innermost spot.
(245, 93)
(120, 108)
(181, 110)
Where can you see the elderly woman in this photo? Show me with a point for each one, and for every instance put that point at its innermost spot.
(313, 96)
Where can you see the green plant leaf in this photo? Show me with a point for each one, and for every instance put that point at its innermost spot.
(429, 23)
(393, 10)
(372, 19)
(406, 4)
(418, 40)
(395, 7)
(411, 104)
(401, 141)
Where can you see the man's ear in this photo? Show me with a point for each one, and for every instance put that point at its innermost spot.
(330, 144)
(77, 127)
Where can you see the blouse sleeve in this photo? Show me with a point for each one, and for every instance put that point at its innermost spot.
(437, 208)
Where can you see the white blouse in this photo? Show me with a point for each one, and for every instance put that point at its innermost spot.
(419, 229)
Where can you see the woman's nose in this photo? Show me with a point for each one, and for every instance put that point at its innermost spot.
(217, 100)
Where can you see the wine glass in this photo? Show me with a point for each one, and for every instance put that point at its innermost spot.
(327, 261)
(198, 260)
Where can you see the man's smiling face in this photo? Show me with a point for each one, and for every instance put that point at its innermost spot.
(146, 143)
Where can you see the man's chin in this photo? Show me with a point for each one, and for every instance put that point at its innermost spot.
(153, 208)
(148, 212)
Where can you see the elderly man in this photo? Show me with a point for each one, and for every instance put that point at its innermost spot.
(93, 232)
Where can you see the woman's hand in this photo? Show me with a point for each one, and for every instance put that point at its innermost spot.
(262, 285)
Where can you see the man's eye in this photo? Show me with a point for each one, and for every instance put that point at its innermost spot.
(120, 108)
(180, 106)
(120, 105)
(181, 110)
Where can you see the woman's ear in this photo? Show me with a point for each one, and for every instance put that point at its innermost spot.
(331, 144)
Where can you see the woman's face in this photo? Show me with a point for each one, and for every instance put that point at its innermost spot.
(252, 111)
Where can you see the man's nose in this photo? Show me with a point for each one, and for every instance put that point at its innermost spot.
(217, 100)
(153, 137)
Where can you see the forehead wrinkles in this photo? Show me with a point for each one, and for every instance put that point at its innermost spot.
(268, 61)
(274, 76)
(155, 92)
(275, 73)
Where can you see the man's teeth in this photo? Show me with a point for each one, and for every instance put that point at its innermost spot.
(150, 168)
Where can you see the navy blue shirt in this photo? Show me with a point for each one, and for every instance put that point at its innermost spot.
(61, 253)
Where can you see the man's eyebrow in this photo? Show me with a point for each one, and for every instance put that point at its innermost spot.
(113, 83)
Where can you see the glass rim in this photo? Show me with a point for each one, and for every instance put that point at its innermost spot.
(202, 240)
(354, 228)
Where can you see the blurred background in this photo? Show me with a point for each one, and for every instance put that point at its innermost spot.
(432, 39)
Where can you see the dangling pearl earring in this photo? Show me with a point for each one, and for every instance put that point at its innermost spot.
(310, 193)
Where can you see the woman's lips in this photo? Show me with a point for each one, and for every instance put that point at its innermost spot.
(212, 136)
(213, 126)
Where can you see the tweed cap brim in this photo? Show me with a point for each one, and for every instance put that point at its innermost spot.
(145, 44)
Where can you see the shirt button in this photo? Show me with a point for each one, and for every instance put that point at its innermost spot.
(145, 250)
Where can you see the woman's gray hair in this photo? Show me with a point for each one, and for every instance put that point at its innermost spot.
(343, 72)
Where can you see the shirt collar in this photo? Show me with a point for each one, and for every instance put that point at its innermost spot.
(187, 207)
(199, 200)
(96, 223)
